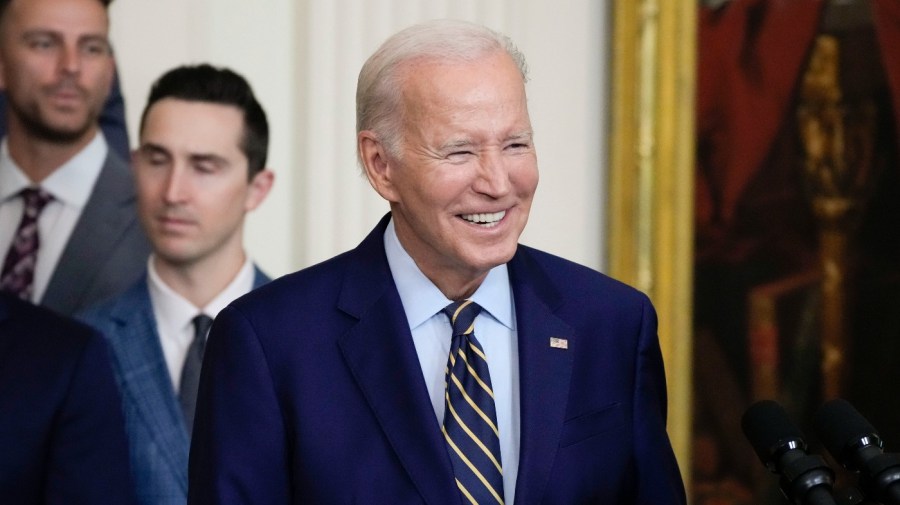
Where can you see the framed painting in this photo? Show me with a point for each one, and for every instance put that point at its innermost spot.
(755, 196)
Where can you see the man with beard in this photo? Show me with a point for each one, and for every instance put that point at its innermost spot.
(67, 217)
(112, 120)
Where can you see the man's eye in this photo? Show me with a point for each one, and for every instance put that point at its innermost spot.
(157, 159)
(205, 168)
(41, 43)
(96, 49)
(153, 157)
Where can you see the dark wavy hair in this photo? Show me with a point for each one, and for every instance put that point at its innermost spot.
(206, 83)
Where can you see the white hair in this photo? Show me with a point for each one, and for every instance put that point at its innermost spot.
(378, 90)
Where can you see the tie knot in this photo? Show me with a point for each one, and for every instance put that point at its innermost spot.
(35, 199)
(462, 316)
(202, 324)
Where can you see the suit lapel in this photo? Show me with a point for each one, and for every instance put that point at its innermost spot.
(94, 237)
(380, 354)
(145, 381)
(146, 384)
(544, 373)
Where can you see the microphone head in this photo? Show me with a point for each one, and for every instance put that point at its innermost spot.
(770, 431)
(843, 430)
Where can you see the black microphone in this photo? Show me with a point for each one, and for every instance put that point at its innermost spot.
(856, 445)
(805, 479)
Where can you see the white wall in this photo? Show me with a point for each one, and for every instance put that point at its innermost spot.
(302, 58)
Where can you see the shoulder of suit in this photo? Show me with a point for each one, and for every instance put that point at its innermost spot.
(48, 329)
(118, 306)
(313, 282)
(570, 275)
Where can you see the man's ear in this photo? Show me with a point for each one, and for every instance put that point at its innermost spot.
(260, 186)
(376, 164)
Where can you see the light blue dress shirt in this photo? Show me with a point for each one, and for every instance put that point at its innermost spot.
(495, 329)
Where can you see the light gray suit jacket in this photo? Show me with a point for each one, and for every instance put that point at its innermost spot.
(107, 251)
(157, 435)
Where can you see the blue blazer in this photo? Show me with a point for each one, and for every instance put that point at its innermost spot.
(157, 434)
(61, 430)
(311, 392)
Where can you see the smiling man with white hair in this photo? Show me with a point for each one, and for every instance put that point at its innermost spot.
(440, 361)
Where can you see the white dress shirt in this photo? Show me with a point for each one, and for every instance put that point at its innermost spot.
(70, 185)
(174, 314)
(495, 329)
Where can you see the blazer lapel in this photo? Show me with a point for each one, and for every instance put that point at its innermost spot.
(146, 384)
(94, 237)
(380, 353)
(544, 373)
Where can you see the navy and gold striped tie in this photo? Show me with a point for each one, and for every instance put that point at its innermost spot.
(470, 419)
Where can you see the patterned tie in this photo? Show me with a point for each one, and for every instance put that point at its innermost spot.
(470, 420)
(17, 276)
(190, 373)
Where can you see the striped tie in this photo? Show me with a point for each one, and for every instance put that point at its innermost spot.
(470, 420)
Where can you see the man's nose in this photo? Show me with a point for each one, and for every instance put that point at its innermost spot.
(493, 175)
(176, 186)
(70, 59)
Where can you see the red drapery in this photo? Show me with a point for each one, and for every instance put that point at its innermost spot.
(751, 53)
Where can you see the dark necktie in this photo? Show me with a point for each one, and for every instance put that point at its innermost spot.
(190, 373)
(470, 419)
(17, 276)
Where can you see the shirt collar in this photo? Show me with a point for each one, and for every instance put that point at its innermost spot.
(422, 299)
(173, 307)
(71, 183)
(12, 179)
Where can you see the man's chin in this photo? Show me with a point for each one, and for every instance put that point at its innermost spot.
(495, 258)
(60, 132)
(177, 259)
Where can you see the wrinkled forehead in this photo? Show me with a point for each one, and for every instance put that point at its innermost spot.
(489, 57)
(443, 82)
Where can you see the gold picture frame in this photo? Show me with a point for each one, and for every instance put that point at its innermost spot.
(651, 180)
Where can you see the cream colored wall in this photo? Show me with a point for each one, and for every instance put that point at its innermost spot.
(302, 58)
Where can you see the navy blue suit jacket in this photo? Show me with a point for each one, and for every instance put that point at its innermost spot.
(62, 437)
(312, 392)
(154, 423)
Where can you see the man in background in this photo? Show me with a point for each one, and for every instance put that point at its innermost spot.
(438, 362)
(199, 169)
(68, 229)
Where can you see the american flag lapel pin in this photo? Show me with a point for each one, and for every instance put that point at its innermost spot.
(559, 343)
